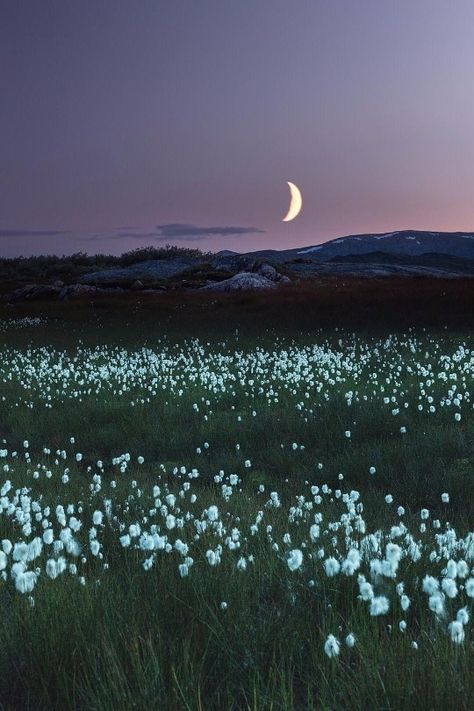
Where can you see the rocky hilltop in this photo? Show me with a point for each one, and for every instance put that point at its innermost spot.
(406, 253)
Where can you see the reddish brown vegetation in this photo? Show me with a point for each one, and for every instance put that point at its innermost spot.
(365, 304)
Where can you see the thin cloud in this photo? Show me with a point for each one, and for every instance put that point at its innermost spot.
(32, 233)
(137, 235)
(177, 230)
(180, 232)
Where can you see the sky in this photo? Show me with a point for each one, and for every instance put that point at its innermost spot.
(127, 123)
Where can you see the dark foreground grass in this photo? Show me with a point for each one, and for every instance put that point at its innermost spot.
(151, 640)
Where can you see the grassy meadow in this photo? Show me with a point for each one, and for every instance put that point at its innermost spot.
(257, 502)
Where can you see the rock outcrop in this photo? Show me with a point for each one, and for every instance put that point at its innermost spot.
(74, 290)
(244, 281)
(145, 278)
(30, 292)
(145, 272)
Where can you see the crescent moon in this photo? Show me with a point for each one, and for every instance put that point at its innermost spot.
(296, 203)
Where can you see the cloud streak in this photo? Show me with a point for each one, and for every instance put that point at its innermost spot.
(181, 232)
(32, 233)
(134, 235)
(178, 230)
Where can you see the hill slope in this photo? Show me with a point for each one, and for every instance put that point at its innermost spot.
(405, 242)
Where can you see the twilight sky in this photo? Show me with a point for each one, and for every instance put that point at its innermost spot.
(119, 116)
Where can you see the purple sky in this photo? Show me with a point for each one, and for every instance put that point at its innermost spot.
(118, 116)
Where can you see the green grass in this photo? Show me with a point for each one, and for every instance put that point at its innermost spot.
(137, 639)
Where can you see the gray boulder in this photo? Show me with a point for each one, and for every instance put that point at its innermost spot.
(244, 281)
(74, 290)
(269, 272)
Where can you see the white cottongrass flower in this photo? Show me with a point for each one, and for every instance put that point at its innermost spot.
(366, 591)
(331, 567)
(350, 640)
(393, 553)
(55, 567)
(436, 603)
(170, 522)
(404, 602)
(20, 551)
(379, 606)
(212, 558)
(462, 569)
(456, 630)
(431, 585)
(351, 563)
(451, 569)
(48, 536)
(97, 517)
(34, 548)
(332, 646)
(125, 540)
(462, 616)
(449, 587)
(25, 582)
(212, 513)
(242, 564)
(183, 569)
(148, 562)
(469, 587)
(295, 559)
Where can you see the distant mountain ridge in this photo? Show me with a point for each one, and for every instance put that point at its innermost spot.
(403, 242)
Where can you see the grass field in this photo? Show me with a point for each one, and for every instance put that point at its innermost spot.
(239, 503)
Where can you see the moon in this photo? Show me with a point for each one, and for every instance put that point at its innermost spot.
(296, 203)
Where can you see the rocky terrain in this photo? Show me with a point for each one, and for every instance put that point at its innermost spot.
(155, 276)
(407, 253)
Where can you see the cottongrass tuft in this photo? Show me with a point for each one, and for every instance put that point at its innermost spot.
(456, 630)
(331, 567)
(332, 646)
(295, 559)
(379, 606)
